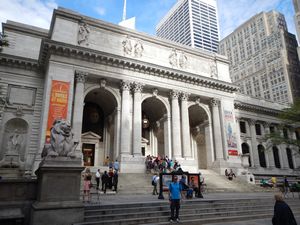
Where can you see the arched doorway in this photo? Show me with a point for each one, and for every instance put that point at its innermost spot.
(261, 156)
(154, 125)
(200, 130)
(276, 157)
(290, 158)
(98, 127)
(246, 151)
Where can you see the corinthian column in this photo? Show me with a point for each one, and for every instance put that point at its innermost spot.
(215, 103)
(137, 118)
(78, 108)
(253, 150)
(176, 138)
(185, 126)
(125, 118)
(269, 154)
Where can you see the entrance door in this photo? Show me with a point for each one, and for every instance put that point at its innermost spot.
(88, 151)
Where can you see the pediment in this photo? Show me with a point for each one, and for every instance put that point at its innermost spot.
(90, 135)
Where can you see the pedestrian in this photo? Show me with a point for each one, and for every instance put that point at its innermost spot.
(98, 175)
(175, 193)
(87, 184)
(104, 181)
(116, 166)
(286, 186)
(115, 181)
(283, 214)
(231, 175)
(154, 183)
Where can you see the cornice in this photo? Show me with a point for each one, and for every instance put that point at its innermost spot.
(256, 108)
(78, 52)
(18, 62)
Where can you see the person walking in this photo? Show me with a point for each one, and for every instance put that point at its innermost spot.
(115, 181)
(104, 181)
(283, 214)
(98, 175)
(155, 180)
(116, 166)
(87, 177)
(286, 186)
(175, 193)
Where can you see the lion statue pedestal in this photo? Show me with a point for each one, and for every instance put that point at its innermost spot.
(59, 177)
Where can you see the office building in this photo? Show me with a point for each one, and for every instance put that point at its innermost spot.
(193, 23)
(263, 58)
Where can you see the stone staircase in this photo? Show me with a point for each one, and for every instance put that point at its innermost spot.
(141, 184)
(194, 211)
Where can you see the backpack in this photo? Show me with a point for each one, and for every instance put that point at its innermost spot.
(153, 183)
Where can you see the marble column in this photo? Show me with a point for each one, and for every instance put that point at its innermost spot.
(137, 119)
(282, 152)
(294, 148)
(117, 132)
(78, 108)
(269, 152)
(185, 126)
(176, 134)
(215, 103)
(125, 118)
(253, 150)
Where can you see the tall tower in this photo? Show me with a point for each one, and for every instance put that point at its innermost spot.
(263, 58)
(193, 23)
(128, 23)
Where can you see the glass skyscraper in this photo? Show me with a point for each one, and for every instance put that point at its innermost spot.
(193, 23)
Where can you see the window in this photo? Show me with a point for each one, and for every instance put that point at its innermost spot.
(243, 127)
(261, 156)
(290, 158)
(285, 133)
(272, 129)
(257, 129)
(276, 157)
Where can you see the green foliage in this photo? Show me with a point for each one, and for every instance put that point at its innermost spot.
(291, 115)
(3, 40)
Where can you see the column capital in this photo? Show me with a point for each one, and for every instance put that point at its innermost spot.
(215, 102)
(80, 76)
(251, 121)
(137, 87)
(184, 96)
(126, 85)
(174, 94)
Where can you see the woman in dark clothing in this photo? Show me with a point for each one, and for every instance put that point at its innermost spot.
(283, 214)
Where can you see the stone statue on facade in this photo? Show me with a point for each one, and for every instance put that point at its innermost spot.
(61, 140)
(127, 46)
(138, 49)
(83, 33)
(15, 141)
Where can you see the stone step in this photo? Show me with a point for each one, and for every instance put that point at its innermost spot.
(197, 218)
(166, 207)
(183, 211)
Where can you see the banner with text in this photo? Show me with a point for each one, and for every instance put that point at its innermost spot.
(58, 106)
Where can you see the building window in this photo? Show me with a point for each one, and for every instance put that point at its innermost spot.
(272, 129)
(261, 156)
(243, 127)
(276, 157)
(257, 129)
(290, 158)
(285, 133)
(245, 150)
(297, 135)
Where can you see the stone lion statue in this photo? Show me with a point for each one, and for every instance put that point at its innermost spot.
(61, 140)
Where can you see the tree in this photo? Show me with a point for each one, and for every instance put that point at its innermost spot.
(3, 41)
(290, 117)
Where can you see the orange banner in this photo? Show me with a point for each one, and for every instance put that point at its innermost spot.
(58, 106)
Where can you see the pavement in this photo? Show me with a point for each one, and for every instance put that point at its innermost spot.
(112, 198)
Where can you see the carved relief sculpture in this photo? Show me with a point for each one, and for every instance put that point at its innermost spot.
(83, 33)
(178, 59)
(213, 70)
(182, 61)
(133, 48)
(173, 58)
(61, 140)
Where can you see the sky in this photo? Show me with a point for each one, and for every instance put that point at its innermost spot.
(232, 13)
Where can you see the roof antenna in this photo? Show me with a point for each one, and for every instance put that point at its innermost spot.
(124, 11)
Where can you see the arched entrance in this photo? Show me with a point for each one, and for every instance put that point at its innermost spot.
(246, 151)
(200, 131)
(99, 119)
(154, 124)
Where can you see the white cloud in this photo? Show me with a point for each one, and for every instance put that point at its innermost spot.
(100, 10)
(33, 12)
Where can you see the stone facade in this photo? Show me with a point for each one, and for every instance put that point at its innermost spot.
(129, 96)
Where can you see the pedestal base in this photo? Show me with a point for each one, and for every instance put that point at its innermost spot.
(132, 164)
(58, 195)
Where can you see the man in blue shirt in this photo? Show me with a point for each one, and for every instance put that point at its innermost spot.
(175, 192)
